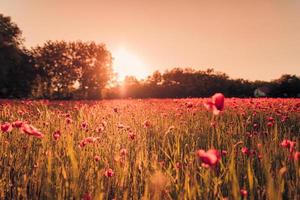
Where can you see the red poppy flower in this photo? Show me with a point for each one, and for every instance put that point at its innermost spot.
(6, 127)
(109, 173)
(209, 158)
(30, 130)
(216, 104)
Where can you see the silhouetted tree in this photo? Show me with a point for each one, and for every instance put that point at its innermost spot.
(286, 86)
(71, 69)
(181, 83)
(57, 72)
(96, 68)
(16, 71)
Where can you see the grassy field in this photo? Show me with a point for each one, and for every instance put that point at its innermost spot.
(150, 149)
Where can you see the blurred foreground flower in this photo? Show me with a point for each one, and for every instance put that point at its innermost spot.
(30, 130)
(6, 127)
(17, 124)
(209, 158)
(216, 104)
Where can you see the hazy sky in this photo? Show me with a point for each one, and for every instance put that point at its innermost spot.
(253, 39)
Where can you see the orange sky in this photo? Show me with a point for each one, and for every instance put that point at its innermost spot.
(254, 39)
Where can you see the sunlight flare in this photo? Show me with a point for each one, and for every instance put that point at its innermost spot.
(126, 63)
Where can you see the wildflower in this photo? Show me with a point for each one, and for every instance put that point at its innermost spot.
(270, 124)
(109, 173)
(244, 192)
(178, 165)
(17, 124)
(123, 152)
(284, 118)
(285, 143)
(6, 127)
(99, 129)
(121, 126)
(288, 144)
(45, 124)
(68, 120)
(209, 158)
(255, 125)
(30, 130)
(21, 112)
(189, 104)
(213, 124)
(224, 152)
(146, 123)
(245, 150)
(88, 140)
(131, 135)
(56, 135)
(271, 119)
(97, 158)
(218, 101)
(84, 125)
(216, 104)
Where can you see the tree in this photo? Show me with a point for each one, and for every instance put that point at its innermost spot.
(72, 69)
(16, 71)
(96, 68)
(286, 86)
(10, 34)
(55, 68)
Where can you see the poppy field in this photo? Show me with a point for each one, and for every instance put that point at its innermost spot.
(205, 148)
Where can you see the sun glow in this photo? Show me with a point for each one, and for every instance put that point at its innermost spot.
(126, 63)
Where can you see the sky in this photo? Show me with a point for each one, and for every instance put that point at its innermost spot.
(250, 39)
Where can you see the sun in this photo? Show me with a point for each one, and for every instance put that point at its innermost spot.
(126, 63)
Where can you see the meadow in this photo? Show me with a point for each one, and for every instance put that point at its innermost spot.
(150, 149)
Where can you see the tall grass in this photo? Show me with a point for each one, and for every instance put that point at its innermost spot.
(146, 149)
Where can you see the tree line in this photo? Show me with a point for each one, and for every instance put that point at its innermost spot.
(187, 82)
(83, 70)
